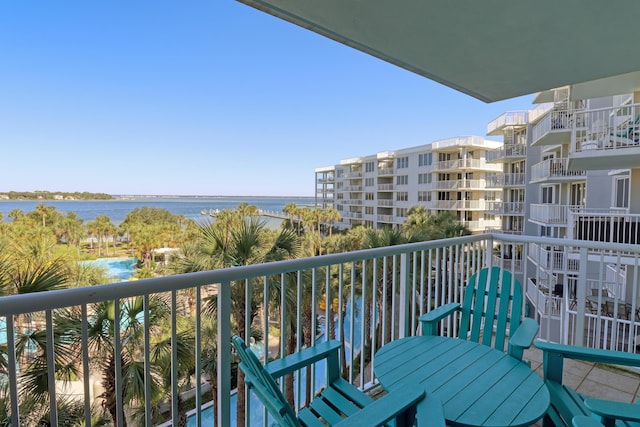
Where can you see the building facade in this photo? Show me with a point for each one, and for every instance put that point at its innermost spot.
(378, 190)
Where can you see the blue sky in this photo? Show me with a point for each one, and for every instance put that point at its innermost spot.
(200, 97)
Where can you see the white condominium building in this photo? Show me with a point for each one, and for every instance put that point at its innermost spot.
(571, 169)
(449, 175)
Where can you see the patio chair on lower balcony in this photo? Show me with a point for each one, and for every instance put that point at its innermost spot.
(339, 403)
(491, 309)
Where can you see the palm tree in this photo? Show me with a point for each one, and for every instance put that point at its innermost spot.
(291, 209)
(237, 241)
(384, 288)
(101, 346)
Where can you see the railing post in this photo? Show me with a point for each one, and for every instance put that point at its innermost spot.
(405, 297)
(224, 354)
(581, 297)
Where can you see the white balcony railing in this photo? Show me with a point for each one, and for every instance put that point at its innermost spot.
(459, 204)
(558, 122)
(505, 208)
(510, 118)
(599, 226)
(549, 214)
(461, 184)
(608, 129)
(505, 180)
(507, 151)
(553, 169)
(391, 287)
(463, 164)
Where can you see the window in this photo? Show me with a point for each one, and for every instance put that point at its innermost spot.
(402, 180)
(369, 182)
(402, 196)
(547, 195)
(425, 159)
(424, 196)
(401, 212)
(424, 178)
(402, 162)
(369, 167)
(368, 210)
(368, 196)
(621, 193)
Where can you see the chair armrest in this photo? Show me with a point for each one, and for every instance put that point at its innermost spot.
(303, 358)
(430, 320)
(393, 405)
(523, 337)
(589, 354)
(554, 354)
(585, 421)
(607, 409)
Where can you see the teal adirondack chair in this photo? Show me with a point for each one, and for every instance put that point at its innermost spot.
(339, 403)
(491, 310)
(569, 407)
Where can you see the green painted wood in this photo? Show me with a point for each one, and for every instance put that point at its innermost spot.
(567, 404)
(339, 402)
(491, 309)
(477, 385)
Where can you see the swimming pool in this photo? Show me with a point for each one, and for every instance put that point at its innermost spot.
(119, 269)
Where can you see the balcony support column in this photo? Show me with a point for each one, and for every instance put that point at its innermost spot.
(224, 354)
(405, 297)
(581, 297)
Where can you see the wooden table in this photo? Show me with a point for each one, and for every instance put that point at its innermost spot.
(478, 385)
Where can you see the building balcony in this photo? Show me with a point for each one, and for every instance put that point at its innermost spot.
(507, 153)
(505, 208)
(554, 170)
(508, 119)
(555, 128)
(385, 187)
(500, 229)
(455, 143)
(466, 165)
(549, 214)
(353, 174)
(385, 202)
(610, 139)
(385, 171)
(467, 184)
(459, 205)
(429, 274)
(352, 202)
(505, 180)
(604, 226)
(353, 215)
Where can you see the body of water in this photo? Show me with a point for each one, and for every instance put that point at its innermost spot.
(117, 210)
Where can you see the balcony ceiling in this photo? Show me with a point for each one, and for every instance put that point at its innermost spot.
(491, 50)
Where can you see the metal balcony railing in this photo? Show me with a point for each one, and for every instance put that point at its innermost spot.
(599, 226)
(608, 129)
(553, 169)
(371, 296)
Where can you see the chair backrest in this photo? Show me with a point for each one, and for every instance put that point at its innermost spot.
(264, 386)
(492, 305)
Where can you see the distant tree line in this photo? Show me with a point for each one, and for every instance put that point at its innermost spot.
(49, 195)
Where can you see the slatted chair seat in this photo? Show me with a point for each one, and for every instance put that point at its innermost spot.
(569, 407)
(339, 403)
(491, 310)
